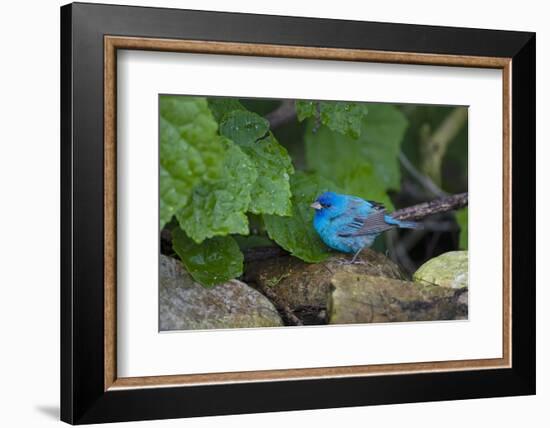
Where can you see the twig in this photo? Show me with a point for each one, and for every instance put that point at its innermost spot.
(413, 190)
(433, 149)
(285, 113)
(436, 206)
(317, 123)
(292, 319)
(421, 178)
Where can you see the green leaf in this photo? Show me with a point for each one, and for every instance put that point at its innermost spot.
(218, 207)
(271, 191)
(243, 127)
(296, 233)
(462, 220)
(342, 158)
(190, 151)
(221, 106)
(343, 117)
(191, 116)
(253, 241)
(212, 262)
(305, 109)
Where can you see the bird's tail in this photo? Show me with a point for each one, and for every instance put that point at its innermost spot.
(409, 225)
(403, 224)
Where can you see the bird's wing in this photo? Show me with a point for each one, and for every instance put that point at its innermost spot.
(372, 224)
(362, 207)
(376, 205)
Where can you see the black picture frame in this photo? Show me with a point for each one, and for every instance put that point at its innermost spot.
(83, 398)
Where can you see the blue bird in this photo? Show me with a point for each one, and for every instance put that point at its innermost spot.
(349, 224)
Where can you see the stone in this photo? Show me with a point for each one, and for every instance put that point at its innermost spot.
(360, 298)
(305, 287)
(187, 305)
(447, 270)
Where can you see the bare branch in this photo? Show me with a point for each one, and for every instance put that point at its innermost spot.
(441, 205)
(433, 148)
(290, 316)
(421, 178)
(285, 113)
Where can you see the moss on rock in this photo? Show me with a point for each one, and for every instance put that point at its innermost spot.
(447, 270)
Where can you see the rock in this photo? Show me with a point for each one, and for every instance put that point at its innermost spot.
(305, 288)
(187, 305)
(447, 270)
(372, 299)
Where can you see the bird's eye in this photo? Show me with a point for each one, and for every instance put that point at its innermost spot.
(326, 205)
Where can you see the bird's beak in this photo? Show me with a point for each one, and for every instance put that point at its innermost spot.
(316, 205)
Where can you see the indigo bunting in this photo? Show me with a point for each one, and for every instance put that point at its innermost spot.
(349, 224)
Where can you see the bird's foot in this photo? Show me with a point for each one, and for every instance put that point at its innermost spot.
(355, 256)
(358, 262)
(354, 260)
(341, 262)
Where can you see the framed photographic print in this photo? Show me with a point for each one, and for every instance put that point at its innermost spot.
(265, 213)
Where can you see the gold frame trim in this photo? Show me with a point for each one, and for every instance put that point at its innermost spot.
(112, 43)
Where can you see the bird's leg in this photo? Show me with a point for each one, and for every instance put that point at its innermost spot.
(355, 256)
